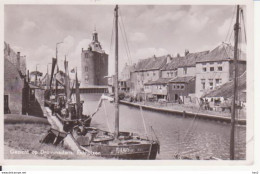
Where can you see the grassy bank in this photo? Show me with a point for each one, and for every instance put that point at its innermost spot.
(22, 135)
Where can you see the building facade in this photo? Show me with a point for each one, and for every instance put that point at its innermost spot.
(180, 88)
(94, 64)
(14, 81)
(217, 68)
(156, 89)
(146, 70)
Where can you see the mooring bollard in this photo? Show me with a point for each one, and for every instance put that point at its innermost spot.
(184, 114)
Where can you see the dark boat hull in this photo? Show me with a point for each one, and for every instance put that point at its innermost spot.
(129, 152)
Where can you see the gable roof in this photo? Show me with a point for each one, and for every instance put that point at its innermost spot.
(174, 64)
(191, 58)
(222, 52)
(153, 63)
(185, 79)
(186, 61)
(226, 90)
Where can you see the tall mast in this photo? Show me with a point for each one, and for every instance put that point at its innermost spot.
(56, 86)
(232, 133)
(116, 75)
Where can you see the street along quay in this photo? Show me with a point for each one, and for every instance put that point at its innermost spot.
(184, 111)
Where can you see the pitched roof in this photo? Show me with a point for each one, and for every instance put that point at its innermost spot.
(226, 90)
(174, 64)
(153, 63)
(191, 58)
(222, 52)
(160, 81)
(186, 61)
(185, 79)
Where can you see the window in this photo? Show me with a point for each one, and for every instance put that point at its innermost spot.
(220, 62)
(203, 83)
(218, 82)
(175, 73)
(86, 68)
(172, 74)
(210, 83)
(168, 74)
(154, 73)
(220, 68)
(185, 70)
(147, 74)
(204, 69)
(178, 87)
(211, 63)
(204, 63)
(182, 86)
(211, 68)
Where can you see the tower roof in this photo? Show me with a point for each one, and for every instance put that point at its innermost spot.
(95, 44)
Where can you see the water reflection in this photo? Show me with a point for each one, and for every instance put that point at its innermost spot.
(177, 135)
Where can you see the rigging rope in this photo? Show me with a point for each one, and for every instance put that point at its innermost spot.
(112, 36)
(231, 22)
(141, 109)
(128, 48)
(124, 41)
(242, 14)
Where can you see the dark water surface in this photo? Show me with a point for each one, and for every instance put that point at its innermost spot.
(177, 135)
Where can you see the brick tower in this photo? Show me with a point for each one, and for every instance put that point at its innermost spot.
(94, 64)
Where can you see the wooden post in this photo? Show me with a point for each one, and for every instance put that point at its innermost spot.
(232, 132)
(116, 75)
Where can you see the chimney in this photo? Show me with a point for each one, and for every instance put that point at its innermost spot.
(186, 52)
(168, 58)
(18, 61)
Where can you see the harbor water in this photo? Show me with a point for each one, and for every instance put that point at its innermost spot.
(184, 136)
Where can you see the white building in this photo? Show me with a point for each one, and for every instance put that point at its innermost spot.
(217, 68)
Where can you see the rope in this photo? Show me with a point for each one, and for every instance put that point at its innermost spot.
(242, 14)
(124, 41)
(230, 23)
(129, 52)
(112, 34)
(141, 109)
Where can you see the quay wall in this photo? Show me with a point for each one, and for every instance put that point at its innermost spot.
(185, 114)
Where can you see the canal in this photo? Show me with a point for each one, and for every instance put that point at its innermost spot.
(177, 135)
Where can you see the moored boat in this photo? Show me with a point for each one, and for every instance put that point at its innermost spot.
(121, 145)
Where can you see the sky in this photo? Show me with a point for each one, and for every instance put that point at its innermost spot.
(150, 30)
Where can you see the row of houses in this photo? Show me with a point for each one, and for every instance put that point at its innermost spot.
(186, 78)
